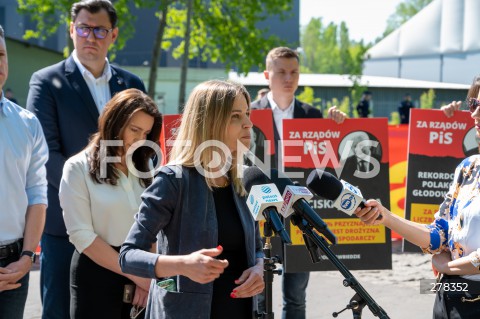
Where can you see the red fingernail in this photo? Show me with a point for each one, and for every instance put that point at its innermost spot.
(234, 291)
(232, 295)
(219, 247)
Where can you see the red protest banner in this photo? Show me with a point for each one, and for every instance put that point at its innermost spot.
(170, 125)
(436, 145)
(397, 150)
(357, 152)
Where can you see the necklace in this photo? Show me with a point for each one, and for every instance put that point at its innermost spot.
(227, 181)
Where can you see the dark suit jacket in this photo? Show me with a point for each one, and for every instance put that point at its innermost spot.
(363, 108)
(404, 111)
(300, 111)
(351, 165)
(60, 98)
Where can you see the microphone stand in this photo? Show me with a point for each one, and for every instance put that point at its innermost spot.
(361, 298)
(269, 269)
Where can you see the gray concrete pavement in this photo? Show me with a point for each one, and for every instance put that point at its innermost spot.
(33, 308)
(396, 291)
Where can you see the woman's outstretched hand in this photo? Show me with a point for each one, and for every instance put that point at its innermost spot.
(202, 266)
(371, 212)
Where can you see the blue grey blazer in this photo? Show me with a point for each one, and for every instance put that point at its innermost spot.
(180, 213)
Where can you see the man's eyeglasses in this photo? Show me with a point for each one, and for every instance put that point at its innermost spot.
(473, 104)
(98, 32)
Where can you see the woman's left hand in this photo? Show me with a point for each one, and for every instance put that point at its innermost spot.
(140, 298)
(440, 262)
(250, 282)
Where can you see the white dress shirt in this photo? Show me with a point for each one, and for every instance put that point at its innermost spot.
(91, 209)
(98, 87)
(279, 115)
(23, 154)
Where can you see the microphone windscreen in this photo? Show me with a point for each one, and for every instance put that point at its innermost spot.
(324, 184)
(280, 180)
(252, 175)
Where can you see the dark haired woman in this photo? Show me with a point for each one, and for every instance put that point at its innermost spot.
(100, 193)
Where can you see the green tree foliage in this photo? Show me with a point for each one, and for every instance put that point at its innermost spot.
(48, 15)
(328, 49)
(395, 118)
(308, 96)
(161, 15)
(222, 31)
(185, 57)
(225, 31)
(343, 105)
(427, 99)
(403, 12)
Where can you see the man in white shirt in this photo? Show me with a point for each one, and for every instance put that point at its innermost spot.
(23, 194)
(282, 74)
(67, 98)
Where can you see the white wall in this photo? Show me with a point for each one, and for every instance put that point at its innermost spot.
(420, 68)
(461, 68)
(456, 67)
(383, 67)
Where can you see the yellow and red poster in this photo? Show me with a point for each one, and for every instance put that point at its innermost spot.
(357, 152)
(398, 148)
(437, 144)
(321, 143)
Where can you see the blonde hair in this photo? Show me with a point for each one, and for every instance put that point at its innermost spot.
(205, 117)
(280, 52)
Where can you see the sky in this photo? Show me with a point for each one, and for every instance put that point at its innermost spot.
(365, 19)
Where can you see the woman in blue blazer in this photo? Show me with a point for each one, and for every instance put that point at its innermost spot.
(209, 260)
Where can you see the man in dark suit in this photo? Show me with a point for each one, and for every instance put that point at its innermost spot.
(67, 98)
(363, 107)
(404, 109)
(282, 75)
(358, 165)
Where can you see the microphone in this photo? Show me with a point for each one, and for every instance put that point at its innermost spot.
(264, 200)
(295, 201)
(345, 197)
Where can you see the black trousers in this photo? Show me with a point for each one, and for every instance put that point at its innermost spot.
(96, 292)
(458, 305)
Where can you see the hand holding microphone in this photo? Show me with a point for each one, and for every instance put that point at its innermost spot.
(372, 213)
(345, 197)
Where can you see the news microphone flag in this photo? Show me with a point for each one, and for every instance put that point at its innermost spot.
(290, 195)
(262, 197)
(349, 199)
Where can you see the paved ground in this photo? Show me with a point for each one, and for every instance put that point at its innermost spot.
(397, 291)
